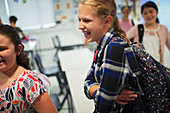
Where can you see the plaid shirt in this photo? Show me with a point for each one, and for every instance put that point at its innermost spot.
(109, 70)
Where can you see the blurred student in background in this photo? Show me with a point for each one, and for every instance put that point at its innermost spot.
(13, 20)
(151, 34)
(125, 22)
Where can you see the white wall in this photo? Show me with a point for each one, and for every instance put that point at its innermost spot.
(27, 14)
(46, 11)
(33, 13)
(63, 11)
(3, 15)
(164, 13)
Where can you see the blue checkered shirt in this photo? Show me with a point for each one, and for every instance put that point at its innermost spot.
(109, 71)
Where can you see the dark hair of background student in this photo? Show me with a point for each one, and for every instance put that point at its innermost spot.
(150, 4)
(124, 7)
(13, 19)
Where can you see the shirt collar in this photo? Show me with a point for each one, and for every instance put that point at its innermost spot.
(105, 39)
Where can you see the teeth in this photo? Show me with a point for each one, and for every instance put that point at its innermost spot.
(86, 33)
(1, 61)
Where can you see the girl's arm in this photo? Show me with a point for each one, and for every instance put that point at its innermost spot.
(44, 104)
(132, 33)
(90, 83)
(167, 39)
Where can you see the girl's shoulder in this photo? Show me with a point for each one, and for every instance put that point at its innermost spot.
(163, 31)
(27, 79)
(27, 74)
(163, 27)
(29, 82)
(117, 42)
(34, 76)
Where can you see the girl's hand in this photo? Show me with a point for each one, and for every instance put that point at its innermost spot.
(126, 95)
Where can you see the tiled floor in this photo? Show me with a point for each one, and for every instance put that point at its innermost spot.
(68, 29)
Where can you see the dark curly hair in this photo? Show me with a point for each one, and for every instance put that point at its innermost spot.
(12, 34)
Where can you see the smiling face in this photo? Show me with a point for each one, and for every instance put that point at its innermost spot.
(7, 55)
(125, 12)
(91, 24)
(150, 15)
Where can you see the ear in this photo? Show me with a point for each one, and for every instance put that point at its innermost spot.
(19, 49)
(157, 12)
(108, 20)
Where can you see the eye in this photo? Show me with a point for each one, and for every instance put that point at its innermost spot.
(145, 13)
(79, 19)
(2, 48)
(151, 11)
(87, 20)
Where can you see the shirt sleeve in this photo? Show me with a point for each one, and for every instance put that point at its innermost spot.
(115, 71)
(167, 39)
(133, 33)
(18, 29)
(90, 81)
(29, 87)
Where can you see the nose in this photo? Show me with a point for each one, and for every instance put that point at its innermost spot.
(81, 26)
(149, 15)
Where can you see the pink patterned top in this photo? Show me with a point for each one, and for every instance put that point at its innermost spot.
(19, 96)
(126, 25)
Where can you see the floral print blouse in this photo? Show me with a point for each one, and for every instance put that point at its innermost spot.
(18, 97)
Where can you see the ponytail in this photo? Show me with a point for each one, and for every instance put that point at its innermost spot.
(157, 20)
(118, 29)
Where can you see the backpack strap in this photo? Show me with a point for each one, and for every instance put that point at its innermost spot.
(133, 25)
(132, 22)
(134, 66)
(138, 105)
(140, 32)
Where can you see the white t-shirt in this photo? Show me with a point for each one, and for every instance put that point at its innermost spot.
(151, 42)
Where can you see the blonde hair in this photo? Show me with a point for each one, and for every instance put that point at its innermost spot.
(105, 8)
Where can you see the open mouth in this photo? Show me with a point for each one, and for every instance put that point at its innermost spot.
(2, 61)
(149, 19)
(86, 34)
